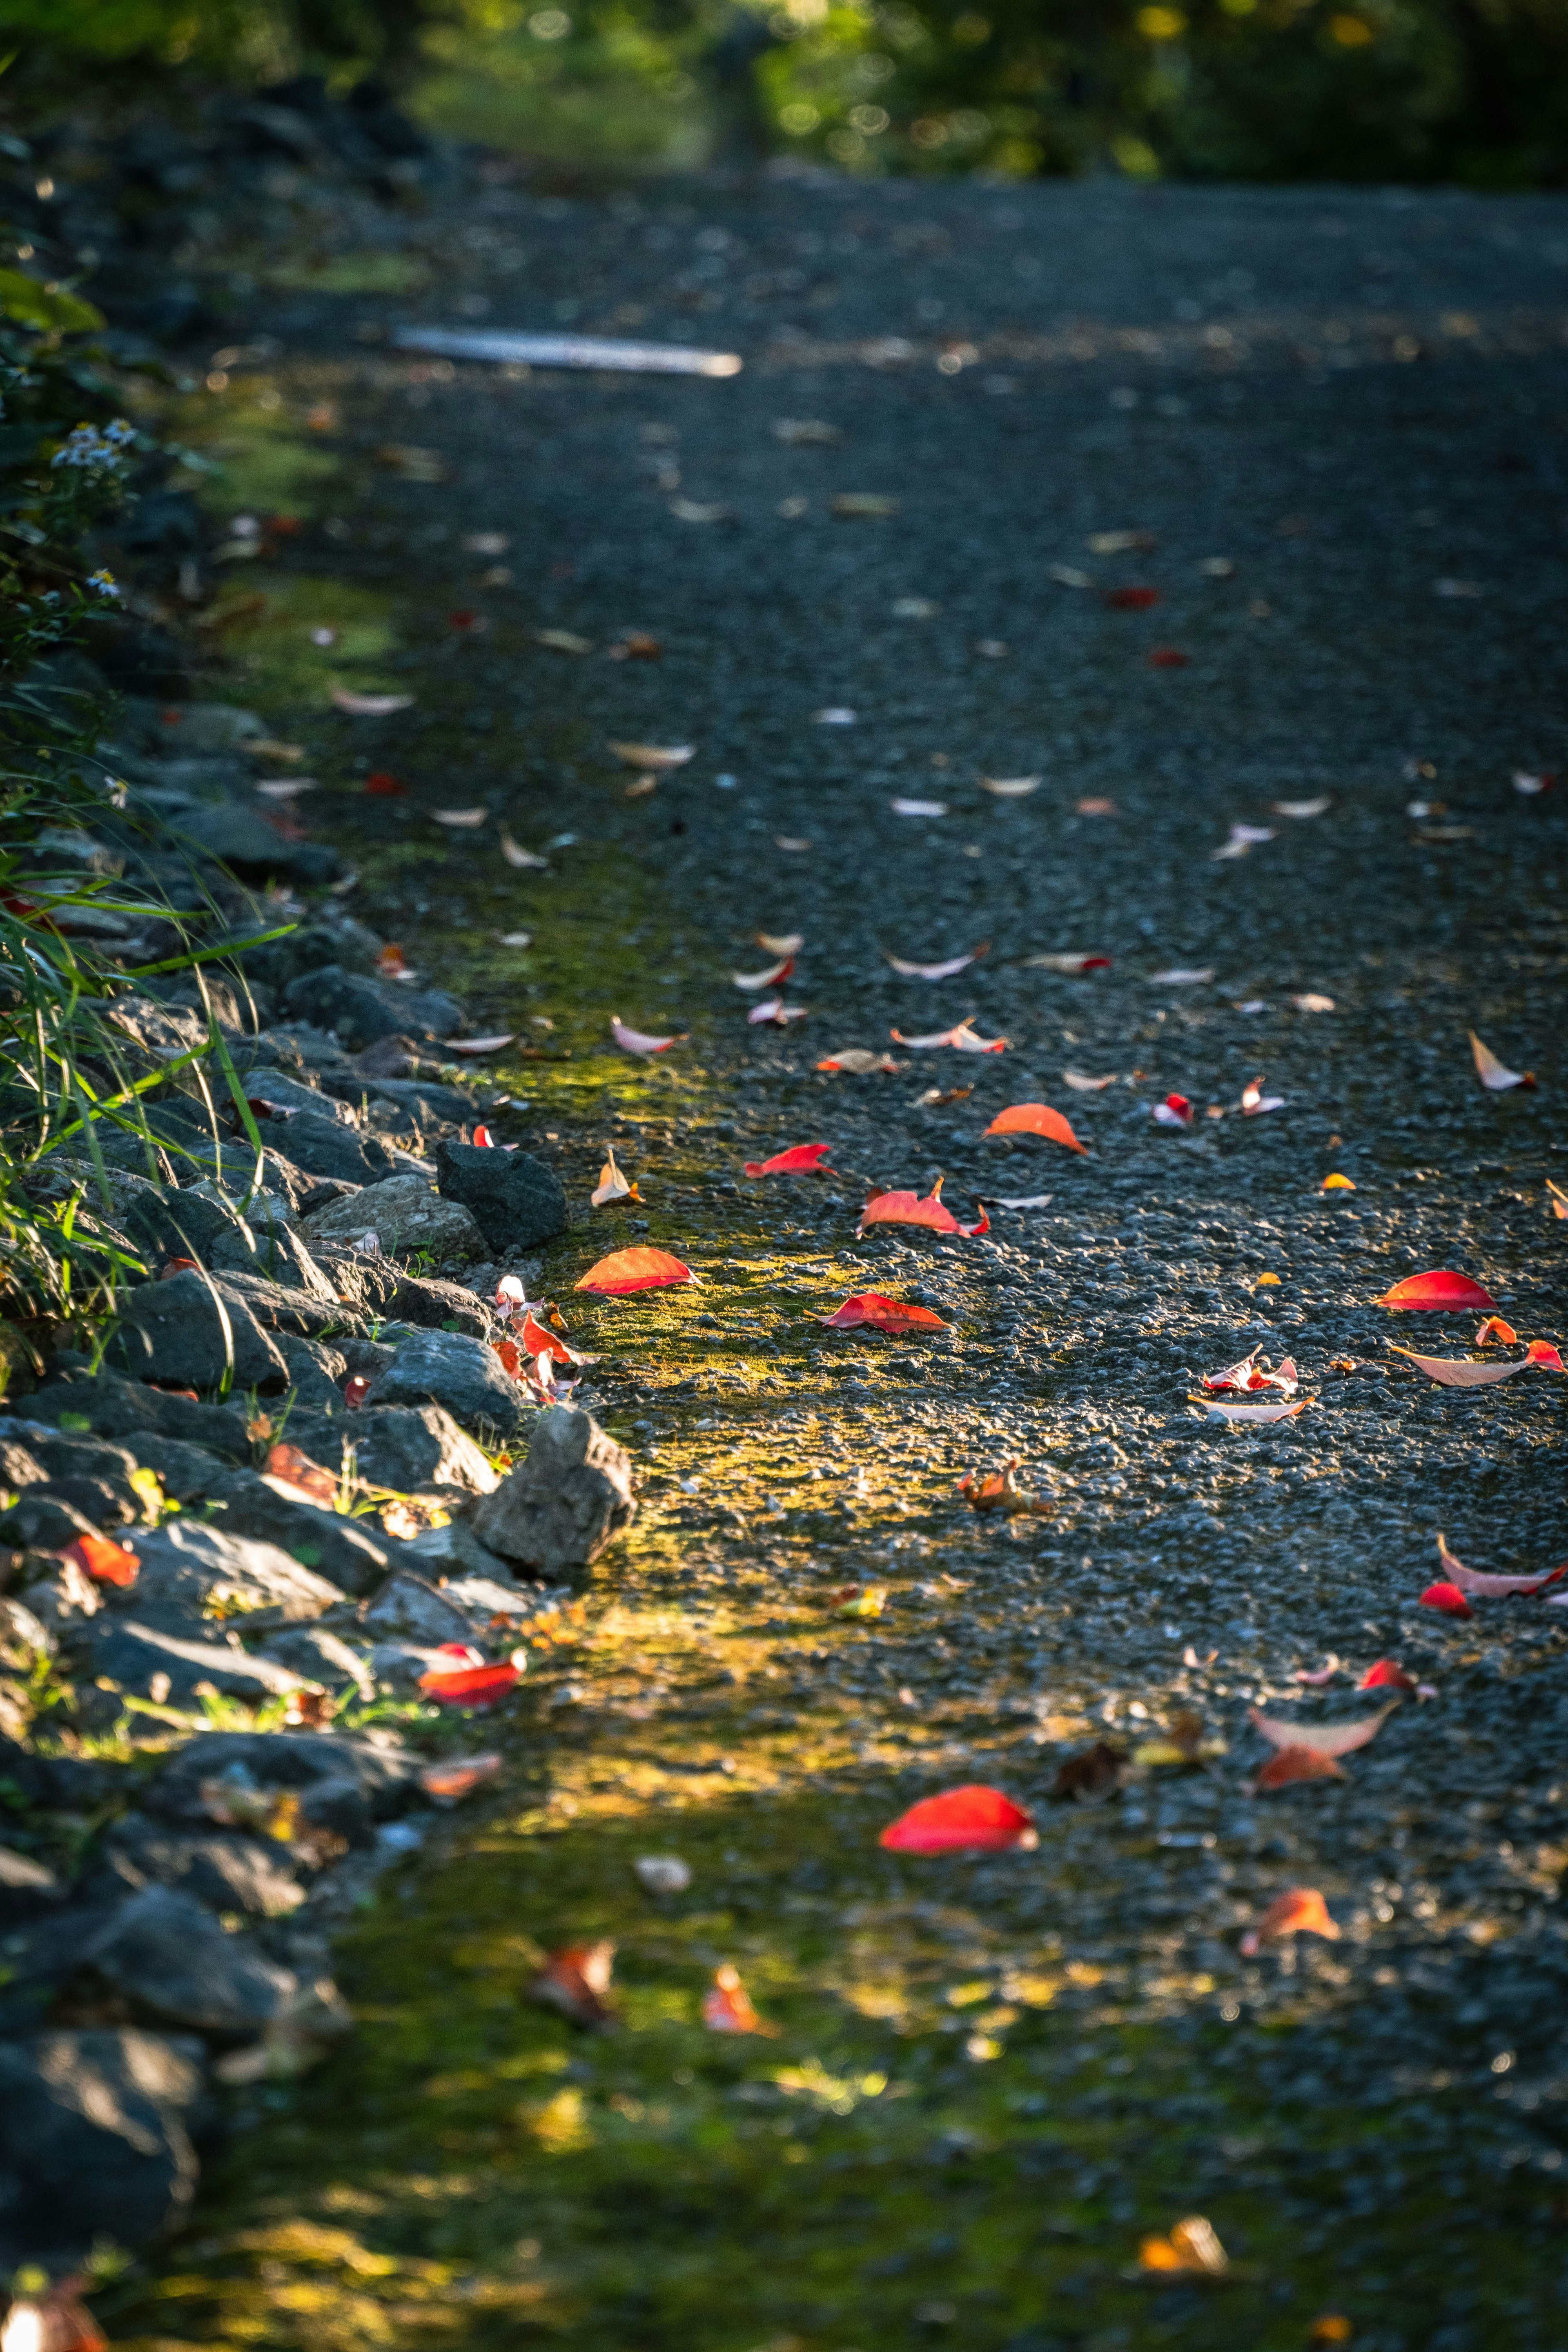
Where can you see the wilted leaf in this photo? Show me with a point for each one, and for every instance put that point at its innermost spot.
(1120, 542)
(1323, 1738)
(1083, 1085)
(727, 2005)
(1174, 1111)
(969, 1819)
(369, 706)
(1438, 1292)
(938, 971)
(1300, 808)
(478, 1044)
(459, 1777)
(1249, 1376)
(909, 1209)
(1459, 1372)
(1034, 1118)
(1492, 1588)
(626, 1270)
(1181, 977)
(1092, 1777)
(465, 1678)
(1492, 1073)
(804, 432)
(961, 1038)
(517, 856)
(613, 1188)
(1192, 2249)
(858, 1061)
(1387, 1675)
(653, 755)
(576, 1981)
(1336, 1183)
(786, 943)
(998, 1490)
(1243, 837)
(770, 978)
(1300, 1910)
(1310, 1004)
(296, 1470)
(862, 502)
(564, 641)
(1072, 963)
(1254, 1100)
(638, 1041)
(1010, 788)
(775, 1013)
(1292, 1764)
(918, 808)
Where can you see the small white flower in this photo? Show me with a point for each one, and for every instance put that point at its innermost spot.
(105, 583)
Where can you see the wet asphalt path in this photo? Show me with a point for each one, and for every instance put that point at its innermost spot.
(1330, 427)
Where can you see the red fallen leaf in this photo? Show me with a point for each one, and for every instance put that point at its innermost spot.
(634, 1269)
(538, 1341)
(1300, 1910)
(800, 1160)
(510, 1356)
(998, 1490)
(174, 1265)
(1168, 658)
(1447, 1600)
(1174, 1111)
(384, 785)
(469, 1685)
(356, 1389)
(1438, 1291)
(1296, 1764)
(297, 1469)
(1034, 1118)
(483, 1140)
(1492, 1588)
(1387, 1675)
(1495, 1333)
(457, 1778)
(869, 1309)
(971, 1819)
(576, 1981)
(727, 2005)
(1323, 1738)
(1249, 1376)
(105, 1561)
(1133, 600)
(909, 1209)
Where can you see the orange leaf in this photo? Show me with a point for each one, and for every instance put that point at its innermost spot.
(1297, 1764)
(1300, 1910)
(576, 1981)
(479, 1686)
(634, 1269)
(1437, 1291)
(727, 2005)
(908, 1209)
(1034, 1118)
(460, 1777)
(1447, 1598)
(297, 1469)
(510, 1357)
(870, 1307)
(971, 1819)
(1494, 1331)
(105, 1561)
(538, 1341)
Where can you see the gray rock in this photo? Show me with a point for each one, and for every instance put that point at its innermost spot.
(62, 1603)
(570, 1499)
(407, 1609)
(438, 1306)
(516, 1202)
(93, 2148)
(410, 1450)
(361, 1011)
(28, 1891)
(24, 1636)
(134, 1657)
(484, 1600)
(193, 1574)
(271, 1253)
(175, 1965)
(424, 1099)
(18, 1467)
(185, 1473)
(451, 1551)
(405, 1212)
(353, 1556)
(110, 1406)
(40, 1521)
(164, 1222)
(321, 1657)
(242, 840)
(381, 1780)
(315, 1373)
(397, 1665)
(281, 1306)
(65, 1456)
(324, 1146)
(226, 1870)
(367, 1359)
(280, 1092)
(465, 1375)
(196, 1331)
(105, 1503)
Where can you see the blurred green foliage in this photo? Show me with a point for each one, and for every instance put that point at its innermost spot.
(1475, 90)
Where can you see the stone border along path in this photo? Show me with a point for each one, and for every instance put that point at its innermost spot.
(1070, 2049)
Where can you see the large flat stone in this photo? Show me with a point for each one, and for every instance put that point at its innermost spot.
(409, 1449)
(360, 1011)
(405, 1212)
(111, 1406)
(339, 1548)
(198, 1332)
(147, 1664)
(175, 1964)
(516, 1201)
(193, 1574)
(223, 1869)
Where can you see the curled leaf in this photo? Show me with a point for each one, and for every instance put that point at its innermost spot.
(1244, 1413)
(909, 1209)
(473, 1684)
(858, 1061)
(1300, 1910)
(776, 972)
(971, 1819)
(1324, 1738)
(1072, 963)
(961, 1038)
(1192, 2249)
(636, 1040)
(1291, 1764)
(1493, 1076)
(296, 1469)
(653, 755)
(1447, 1598)
(783, 943)
(576, 1981)
(1460, 1372)
(1174, 1111)
(1010, 788)
(938, 971)
(457, 1777)
(1492, 1588)
(612, 1188)
(727, 2005)
(1387, 1675)
(1034, 1118)
(998, 1490)
(368, 706)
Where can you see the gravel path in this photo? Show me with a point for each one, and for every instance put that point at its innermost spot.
(1326, 427)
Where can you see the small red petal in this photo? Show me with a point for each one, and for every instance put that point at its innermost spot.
(1448, 1599)
(962, 1821)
